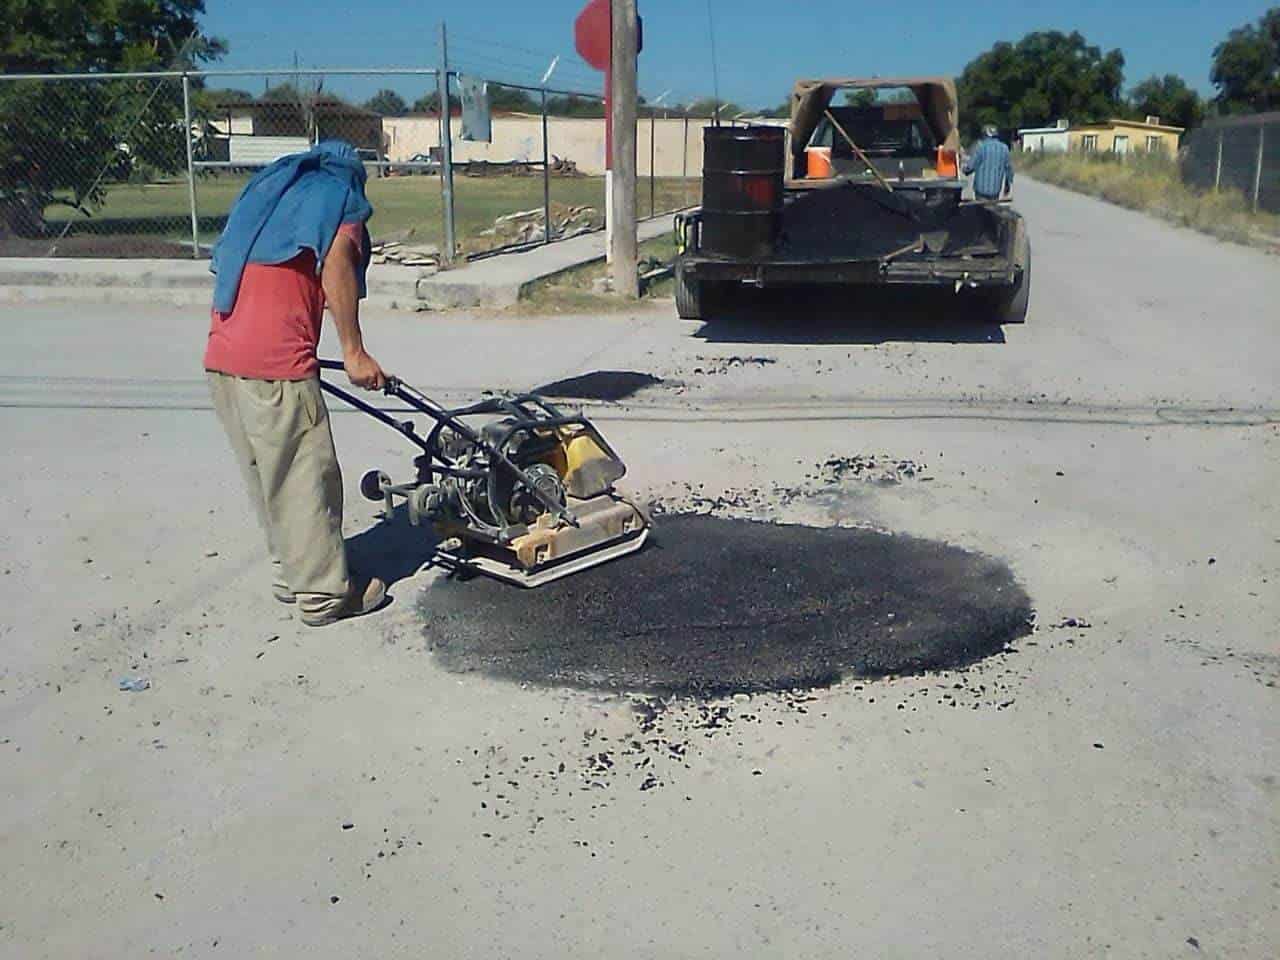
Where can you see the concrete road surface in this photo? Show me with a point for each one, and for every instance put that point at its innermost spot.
(1108, 787)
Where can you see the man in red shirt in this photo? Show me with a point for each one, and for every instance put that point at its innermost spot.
(263, 374)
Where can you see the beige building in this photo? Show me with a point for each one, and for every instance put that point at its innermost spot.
(677, 143)
(1125, 136)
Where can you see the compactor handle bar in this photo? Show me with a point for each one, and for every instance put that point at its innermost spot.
(423, 404)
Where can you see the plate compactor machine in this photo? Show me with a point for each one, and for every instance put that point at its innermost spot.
(512, 487)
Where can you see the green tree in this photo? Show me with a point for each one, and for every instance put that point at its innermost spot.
(506, 99)
(288, 92)
(388, 103)
(1044, 76)
(60, 141)
(863, 97)
(1246, 67)
(780, 112)
(511, 100)
(571, 106)
(427, 103)
(707, 107)
(225, 96)
(430, 103)
(1168, 98)
(47, 36)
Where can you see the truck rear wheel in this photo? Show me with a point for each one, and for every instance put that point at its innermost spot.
(689, 300)
(1011, 305)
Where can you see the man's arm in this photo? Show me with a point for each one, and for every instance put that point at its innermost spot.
(342, 296)
(1008, 170)
(970, 161)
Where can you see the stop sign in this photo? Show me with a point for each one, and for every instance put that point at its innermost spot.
(592, 34)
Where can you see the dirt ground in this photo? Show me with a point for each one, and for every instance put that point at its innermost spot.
(129, 245)
(443, 778)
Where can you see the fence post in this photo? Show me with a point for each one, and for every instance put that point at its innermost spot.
(191, 169)
(546, 174)
(1257, 169)
(1217, 170)
(446, 149)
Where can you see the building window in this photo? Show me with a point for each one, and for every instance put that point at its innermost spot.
(1154, 144)
(1089, 142)
(1120, 144)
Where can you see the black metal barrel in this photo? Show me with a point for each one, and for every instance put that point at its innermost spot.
(742, 170)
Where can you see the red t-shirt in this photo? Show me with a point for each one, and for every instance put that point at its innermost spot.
(272, 331)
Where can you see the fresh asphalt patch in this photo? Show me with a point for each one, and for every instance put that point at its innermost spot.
(715, 606)
(608, 385)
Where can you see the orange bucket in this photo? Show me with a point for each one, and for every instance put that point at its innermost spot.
(946, 163)
(817, 163)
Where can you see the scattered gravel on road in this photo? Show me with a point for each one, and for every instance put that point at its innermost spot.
(716, 366)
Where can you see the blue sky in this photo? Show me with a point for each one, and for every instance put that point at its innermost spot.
(762, 45)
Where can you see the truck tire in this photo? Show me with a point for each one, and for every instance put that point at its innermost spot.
(1011, 305)
(689, 304)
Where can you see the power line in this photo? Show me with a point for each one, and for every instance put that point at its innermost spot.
(568, 63)
(497, 72)
(497, 56)
(467, 38)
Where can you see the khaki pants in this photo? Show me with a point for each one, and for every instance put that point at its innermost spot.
(279, 430)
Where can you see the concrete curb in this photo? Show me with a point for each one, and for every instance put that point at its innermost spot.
(494, 283)
(502, 280)
(172, 282)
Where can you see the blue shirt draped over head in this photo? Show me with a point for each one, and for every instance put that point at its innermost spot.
(297, 203)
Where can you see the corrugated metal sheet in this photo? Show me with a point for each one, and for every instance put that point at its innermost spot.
(252, 150)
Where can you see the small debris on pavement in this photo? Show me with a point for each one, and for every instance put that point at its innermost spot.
(134, 684)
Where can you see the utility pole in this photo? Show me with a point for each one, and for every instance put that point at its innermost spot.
(626, 280)
(446, 149)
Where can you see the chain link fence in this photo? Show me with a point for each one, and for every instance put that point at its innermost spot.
(1237, 153)
(93, 166)
(541, 174)
(148, 165)
(247, 120)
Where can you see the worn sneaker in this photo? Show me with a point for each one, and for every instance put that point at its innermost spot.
(365, 595)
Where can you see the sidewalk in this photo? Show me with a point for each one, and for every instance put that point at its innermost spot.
(494, 282)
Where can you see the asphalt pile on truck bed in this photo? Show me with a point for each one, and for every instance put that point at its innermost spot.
(714, 606)
(864, 222)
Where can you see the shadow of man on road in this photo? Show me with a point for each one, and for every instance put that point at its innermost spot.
(392, 549)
